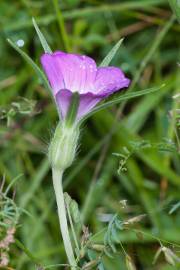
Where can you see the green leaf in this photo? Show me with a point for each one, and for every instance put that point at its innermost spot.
(73, 207)
(12, 183)
(27, 251)
(129, 263)
(42, 39)
(38, 71)
(174, 208)
(175, 5)
(123, 97)
(108, 253)
(114, 234)
(111, 235)
(106, 61)
(101, 266)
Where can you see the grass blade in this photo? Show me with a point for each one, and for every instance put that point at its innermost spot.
(42, 39)
(38, 71)
(107, 60)
(175, 5)
(122, 98)
(12, 183)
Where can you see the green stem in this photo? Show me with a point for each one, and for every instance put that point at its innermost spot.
(57, 182)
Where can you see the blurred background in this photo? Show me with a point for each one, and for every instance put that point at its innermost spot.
(128, 159)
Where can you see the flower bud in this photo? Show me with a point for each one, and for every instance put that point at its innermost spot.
(63, 146)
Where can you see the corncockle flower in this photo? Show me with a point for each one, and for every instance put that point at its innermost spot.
(70, 73)
(77, 86)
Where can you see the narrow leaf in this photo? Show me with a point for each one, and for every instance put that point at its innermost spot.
(114, 234)
(108, 253)
(168, 256)
(156, 256)
(129, 263)
(12, 183)
(174, 208)
(42, 39)
(38, 71)
(101, 266)
(106, 61)
(175, 5)
(27, 251)
(90, 265)
(73, 207)
(123, 97)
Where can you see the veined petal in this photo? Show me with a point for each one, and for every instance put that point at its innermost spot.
(86, 102)
(109, 80)
(53, 72)
(69, 71)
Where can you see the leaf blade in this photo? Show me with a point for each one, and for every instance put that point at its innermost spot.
(35, 67)
(42, 39)
(108, 58)
(122, 98)
(175, 5)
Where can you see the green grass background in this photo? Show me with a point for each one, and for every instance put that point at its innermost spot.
(149, 56)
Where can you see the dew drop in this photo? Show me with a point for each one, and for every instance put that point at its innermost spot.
(20, 42)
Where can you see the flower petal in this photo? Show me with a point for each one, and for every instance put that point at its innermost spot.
(69, 71)
(53, 72)
(86, 102)
(110, 79)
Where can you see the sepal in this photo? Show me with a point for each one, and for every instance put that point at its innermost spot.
(62, 149)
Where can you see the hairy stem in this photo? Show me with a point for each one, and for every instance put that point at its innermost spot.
(57, 182)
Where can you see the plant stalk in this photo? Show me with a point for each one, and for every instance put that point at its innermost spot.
(57, 182)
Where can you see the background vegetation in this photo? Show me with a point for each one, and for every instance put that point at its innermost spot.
(128, 159)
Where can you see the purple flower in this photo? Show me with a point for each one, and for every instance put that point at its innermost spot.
(69, 73)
